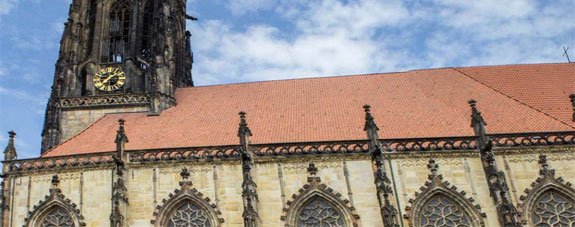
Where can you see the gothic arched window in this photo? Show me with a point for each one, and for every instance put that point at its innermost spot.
(119, 31)
(442, 211)
(145, 35)
(56, 217)
(189, 214)
(553, 208)
(318, 212)
(92, 10)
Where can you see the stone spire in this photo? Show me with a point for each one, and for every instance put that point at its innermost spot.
(382, 182)
(10, 150)
(249, 186)
(55, 188)
(121, 140)
(119, 190)
(432, 166)
(507, 213)
(478, 124)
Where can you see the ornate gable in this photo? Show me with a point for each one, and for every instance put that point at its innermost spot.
(55, 209)
(316, 202)
(436, 195)
(549, 201)
(187, 202)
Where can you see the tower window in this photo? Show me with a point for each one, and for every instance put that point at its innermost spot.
(119, 31)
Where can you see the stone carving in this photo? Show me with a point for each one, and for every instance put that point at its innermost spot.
(440, 204)
(93, 101)
(58, 217)
(189, 215)
(506, 211)
(550, 201)
(553, 209)
(319, 213)
(304, 206)
(442, 211)
(422, 162)
(381, 180)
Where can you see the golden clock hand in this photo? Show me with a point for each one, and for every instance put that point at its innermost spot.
(108, 78)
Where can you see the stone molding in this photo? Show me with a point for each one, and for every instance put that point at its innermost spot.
(104, 101)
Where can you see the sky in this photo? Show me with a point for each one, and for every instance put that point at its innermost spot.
(255, 40)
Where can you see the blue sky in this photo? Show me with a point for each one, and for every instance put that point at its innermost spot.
(255, 40)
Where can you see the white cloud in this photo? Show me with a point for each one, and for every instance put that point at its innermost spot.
(7, 5)
(239, 7)
(331, 37)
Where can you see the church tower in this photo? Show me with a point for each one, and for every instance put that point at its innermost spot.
(117, 56)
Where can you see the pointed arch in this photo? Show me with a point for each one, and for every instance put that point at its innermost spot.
(438, 195)
(118, 31)
(54, 209)
(320, 203)
(187, 205)
(550, 201)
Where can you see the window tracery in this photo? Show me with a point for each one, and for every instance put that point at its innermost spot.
(57, 217)
(189, 214)
(119, 30)
(553, 209)
(441, 211)
(320, 213)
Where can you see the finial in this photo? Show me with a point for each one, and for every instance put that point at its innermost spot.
(543, 161)
(369, 122)
(311, 169)
(55, 181)
(432, 166)
(545, 168)
(243, 130)
(185, 174)
(572, 97)
(121, 133)
(474, 111)
(10, 150)
(11, 134)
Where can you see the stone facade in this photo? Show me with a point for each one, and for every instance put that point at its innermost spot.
(75, 120)
(278, 179)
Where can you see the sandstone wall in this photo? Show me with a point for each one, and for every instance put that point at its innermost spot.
(278, 179)
(74, 121)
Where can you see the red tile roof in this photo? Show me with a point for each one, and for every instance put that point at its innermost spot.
(544, 86)
(413, 104)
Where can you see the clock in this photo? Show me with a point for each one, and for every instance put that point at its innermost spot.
(109, 79)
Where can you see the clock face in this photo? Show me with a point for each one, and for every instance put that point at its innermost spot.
(109, 79)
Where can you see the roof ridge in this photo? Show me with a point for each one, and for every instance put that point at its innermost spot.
(519, 64)
(77, 134)
(370, 74)
(513, 98)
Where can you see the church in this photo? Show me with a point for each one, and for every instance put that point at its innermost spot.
(128, 140)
